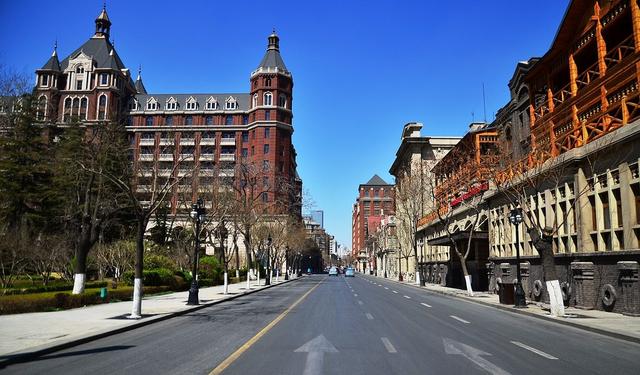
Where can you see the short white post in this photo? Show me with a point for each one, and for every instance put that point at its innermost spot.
(226, 283)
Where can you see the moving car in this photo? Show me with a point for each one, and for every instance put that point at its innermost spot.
(349, 272)
(333, 271)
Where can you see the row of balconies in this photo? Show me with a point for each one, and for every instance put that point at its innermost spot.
(187, 157)
(187, 142)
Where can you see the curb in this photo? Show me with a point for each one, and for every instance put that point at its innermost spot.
(22, 357)
(617, 335)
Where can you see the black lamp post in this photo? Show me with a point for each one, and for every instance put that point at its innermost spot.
(515, 216)
(198, 215)
(268, 279)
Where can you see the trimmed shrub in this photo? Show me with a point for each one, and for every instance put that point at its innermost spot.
(152, 262)
(210, 268)
(54, 288)
(155, 277)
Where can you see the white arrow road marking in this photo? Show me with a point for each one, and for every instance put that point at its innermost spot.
(424, 304)
(534, 350)
(407, 297)
(459, 319)
(472, 354)
(388, 345)
(369, 316)
(315, 350)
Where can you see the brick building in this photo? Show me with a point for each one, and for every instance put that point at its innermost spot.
(211, 135)
(375, 199)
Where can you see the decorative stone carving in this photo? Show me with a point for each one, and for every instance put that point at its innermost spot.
(630, 287)
(585, 288)
(443, 274)
(491, 276)
(524, 275)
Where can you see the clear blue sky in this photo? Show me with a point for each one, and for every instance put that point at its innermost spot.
(362, 69)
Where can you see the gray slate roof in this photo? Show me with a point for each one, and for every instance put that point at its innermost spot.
(242, 100)
(52, 64)
(376, 180)
(140, 89)
(98, 49)
(272, 59)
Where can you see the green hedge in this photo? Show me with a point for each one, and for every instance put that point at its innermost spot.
(17, 304)
(156, 277)
(53, 288)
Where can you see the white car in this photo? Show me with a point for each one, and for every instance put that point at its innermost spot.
(333, 271)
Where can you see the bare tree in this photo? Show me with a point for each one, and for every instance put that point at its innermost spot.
(117, 257)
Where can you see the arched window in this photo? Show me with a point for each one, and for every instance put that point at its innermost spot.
(267, 82)
(102, 107)
(84, 103)
(75, 107)
(42, 108)
(67, 110)
(268, 99)
(255, 101)
(79, 69)
(148, 121)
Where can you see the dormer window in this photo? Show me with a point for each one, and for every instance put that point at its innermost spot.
(268, 99)
(104, 79)
(133, 105)
(44, 80)
(192, 104)
(212, 104)
(80, 69)
(172, 104)
(152, 104)
(231, 103)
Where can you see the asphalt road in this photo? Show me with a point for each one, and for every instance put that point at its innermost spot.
(360, 325)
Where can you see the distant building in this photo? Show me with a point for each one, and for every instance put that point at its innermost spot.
(375, 199)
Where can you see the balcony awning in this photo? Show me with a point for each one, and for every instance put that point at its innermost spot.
(444, 240)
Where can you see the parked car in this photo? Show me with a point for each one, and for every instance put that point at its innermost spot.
(333, 271)
(349, 272)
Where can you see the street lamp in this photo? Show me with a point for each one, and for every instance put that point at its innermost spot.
(421, 264)
(515, 216)
(224, 233)
(198, 215)
(268, 278)
(286, 262)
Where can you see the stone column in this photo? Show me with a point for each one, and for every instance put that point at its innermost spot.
(630, 296)
(443, 274)
(491, 276)
(584, 285)
(524, 274)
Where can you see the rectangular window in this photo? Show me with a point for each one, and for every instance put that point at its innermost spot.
(606, 212)
(265, 197)
(245, 119)
(245, 152)
(267, 132)
(265, 165)
(229, 120)
(376, 193)
(253, 150)
(45, 80)
(265, 181)
(104, 79)
(245, 136)
(267, 115)
(79, 84)
(208, 120)
(265, 149)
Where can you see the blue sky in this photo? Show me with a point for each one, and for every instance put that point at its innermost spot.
(362, 69)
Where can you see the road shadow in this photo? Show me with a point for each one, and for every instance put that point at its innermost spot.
(32, 357)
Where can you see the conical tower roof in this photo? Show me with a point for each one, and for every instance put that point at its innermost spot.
(53, 63)
(272, 58)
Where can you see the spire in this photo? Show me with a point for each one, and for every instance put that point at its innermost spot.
(272, 59)
(103, 24)
(140, 89)
(53, 63)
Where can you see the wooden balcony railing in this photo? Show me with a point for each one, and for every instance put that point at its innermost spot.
(618, 53)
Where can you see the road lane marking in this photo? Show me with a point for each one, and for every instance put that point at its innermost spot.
(395, 291)
(534, 350)
(235, 355)
(386, 288)
(388, 345)
(360, 303)
(424, 304)
(459, 319)
(407, 297)
(355, 294)
(369, 316)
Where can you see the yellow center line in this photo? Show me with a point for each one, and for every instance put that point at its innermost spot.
(233, 357)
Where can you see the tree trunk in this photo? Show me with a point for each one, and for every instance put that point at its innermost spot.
(399, 268)
(80, 269)
(465, 272)
(136, 309)
(544, 245)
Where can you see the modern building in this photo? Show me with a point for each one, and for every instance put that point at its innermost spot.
(414, 185)
(376, 198)
(199, 138)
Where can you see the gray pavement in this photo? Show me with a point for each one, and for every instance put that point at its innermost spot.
(26, 333)
(361, 325)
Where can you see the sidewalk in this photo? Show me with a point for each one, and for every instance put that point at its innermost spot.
(610, 324)
(48, 331)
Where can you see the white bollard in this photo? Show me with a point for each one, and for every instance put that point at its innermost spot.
(226, 283)
(277, 276)
(248, 280)
(258, 277)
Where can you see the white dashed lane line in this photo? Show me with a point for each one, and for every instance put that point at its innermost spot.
(424, 304)
(369, 316)
(394, 291)
(388, 345)
(360, 303)
(533, 350)
(407, 297)
(386, 288)
(459, 319)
